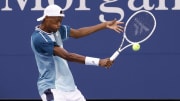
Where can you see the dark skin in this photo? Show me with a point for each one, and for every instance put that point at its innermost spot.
(52, 24)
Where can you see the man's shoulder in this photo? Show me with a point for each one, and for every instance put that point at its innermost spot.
(38, 37)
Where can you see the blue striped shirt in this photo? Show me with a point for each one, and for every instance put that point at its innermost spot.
(53, 70)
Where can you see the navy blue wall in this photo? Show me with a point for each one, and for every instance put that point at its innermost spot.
(152, 72)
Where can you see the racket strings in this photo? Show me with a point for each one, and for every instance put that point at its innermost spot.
(139, 27)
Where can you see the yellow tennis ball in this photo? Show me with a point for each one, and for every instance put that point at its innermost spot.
(136, 46)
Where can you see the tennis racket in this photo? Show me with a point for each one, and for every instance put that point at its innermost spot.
(138, 28)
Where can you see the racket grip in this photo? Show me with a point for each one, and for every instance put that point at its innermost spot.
(114, 56)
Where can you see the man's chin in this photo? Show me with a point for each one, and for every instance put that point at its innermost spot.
(55, 31)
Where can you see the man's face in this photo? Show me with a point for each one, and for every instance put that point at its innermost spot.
(53, 23)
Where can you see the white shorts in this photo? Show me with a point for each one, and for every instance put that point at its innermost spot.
(57, 95)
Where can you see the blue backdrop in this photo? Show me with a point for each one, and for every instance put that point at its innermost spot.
(152, 72)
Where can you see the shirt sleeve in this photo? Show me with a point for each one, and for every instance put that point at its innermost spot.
(44, 47)
(47, 48)
(65, 32)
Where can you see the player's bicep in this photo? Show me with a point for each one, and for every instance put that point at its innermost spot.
(74, 33)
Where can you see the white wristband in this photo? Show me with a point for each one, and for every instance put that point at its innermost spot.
(92, 61)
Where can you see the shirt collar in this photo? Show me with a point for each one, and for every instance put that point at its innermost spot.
(38, 29)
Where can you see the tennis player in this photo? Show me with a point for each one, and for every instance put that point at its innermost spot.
(55, 82)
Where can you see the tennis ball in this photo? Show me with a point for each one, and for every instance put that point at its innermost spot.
(136, 46)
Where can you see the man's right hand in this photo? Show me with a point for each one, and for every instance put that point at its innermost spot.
(107, 63)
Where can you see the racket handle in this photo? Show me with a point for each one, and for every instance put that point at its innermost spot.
(114, 56)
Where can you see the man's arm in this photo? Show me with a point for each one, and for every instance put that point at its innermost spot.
(84, 31)
(73, 57)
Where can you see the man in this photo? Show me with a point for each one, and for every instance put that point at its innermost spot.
(55, 82)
